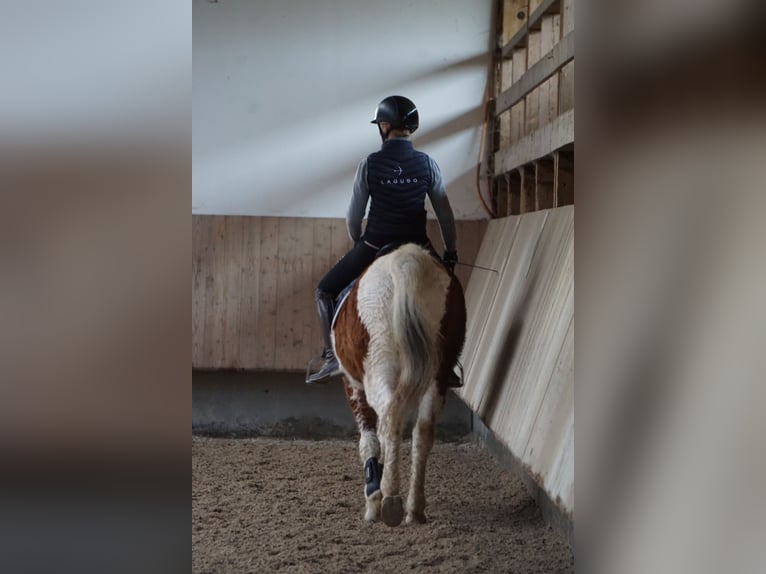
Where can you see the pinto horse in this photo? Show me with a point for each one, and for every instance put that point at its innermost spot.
(397, 338)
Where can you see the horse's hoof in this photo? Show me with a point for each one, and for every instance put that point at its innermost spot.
(392, 510)
(416, 518)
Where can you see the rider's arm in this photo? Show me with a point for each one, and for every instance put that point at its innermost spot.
(358, 204)
(438, 196)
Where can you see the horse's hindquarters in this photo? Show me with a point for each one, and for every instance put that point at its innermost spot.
(402, 325)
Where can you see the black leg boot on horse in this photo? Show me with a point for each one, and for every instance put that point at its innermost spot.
(330, 367)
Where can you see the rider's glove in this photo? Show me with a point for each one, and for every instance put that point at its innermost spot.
(450, 259)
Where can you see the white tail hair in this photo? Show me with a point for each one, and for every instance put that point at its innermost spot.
(420, 286)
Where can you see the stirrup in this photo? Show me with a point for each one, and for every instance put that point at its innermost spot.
(324, 372)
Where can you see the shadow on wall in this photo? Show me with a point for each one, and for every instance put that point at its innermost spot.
(510, 347)
(369, 96)
(470, 119)
(289, 196)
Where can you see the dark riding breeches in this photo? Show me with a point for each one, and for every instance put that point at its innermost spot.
(347, 269)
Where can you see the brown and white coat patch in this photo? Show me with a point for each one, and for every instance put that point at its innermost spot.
(398, 335)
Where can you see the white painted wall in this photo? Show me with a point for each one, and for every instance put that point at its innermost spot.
(86, 74)
(284, 91)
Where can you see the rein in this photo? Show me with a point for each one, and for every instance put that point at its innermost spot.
(478, 267)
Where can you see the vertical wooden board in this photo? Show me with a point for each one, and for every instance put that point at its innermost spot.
(541, 317)
(504, 120)
(493, 339)
(267, 283)
(505, 326)
(214, 294)
(322, 249)
(546, 315)
(544, 183)
(527, 196)
(200, 234)
(553, 83)
(565, 187)
(549, 36)
(556, 170)
(321, 263)
(566, 75)
(567, 16)
(480, 295)
(544, 90)
(559, 482)
(231, 290)
(514, 180)
(532, 118)
(503, 196)
(515, 17)
(249, 292)
(538, 266)
(566, 88)
(304, 313)
(549, 430)
(470, 235)
(286, 287)
(518, 111)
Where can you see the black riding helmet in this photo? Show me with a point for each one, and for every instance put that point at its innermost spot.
(398, 111)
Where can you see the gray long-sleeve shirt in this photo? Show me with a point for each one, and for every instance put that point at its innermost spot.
(437, 194)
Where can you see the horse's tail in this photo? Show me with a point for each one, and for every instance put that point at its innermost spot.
(420, 286)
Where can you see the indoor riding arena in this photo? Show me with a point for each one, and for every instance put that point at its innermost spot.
(283, 97)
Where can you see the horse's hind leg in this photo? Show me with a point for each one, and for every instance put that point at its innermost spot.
(422, 442)
(369, 447)
(390, 428)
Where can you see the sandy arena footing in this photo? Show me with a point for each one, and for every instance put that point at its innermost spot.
(274, 505)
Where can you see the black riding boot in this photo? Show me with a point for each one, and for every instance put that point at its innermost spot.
(454, 381)
(325, 310)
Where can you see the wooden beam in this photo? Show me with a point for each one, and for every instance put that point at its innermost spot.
(545, 7)
(541, 142)
(532, 111)
(556, 164)
(547, 66)
(566, 75)
(518, 112)
(515, 14)
(549, 89)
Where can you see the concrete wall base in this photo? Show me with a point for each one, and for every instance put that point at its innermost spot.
(236, 404)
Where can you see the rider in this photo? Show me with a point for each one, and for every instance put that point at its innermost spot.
(396, 180)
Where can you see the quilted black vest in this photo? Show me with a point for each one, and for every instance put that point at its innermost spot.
(398, 177)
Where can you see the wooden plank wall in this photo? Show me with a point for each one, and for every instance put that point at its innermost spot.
(537, 130)
(519, 354)
(253, 281)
